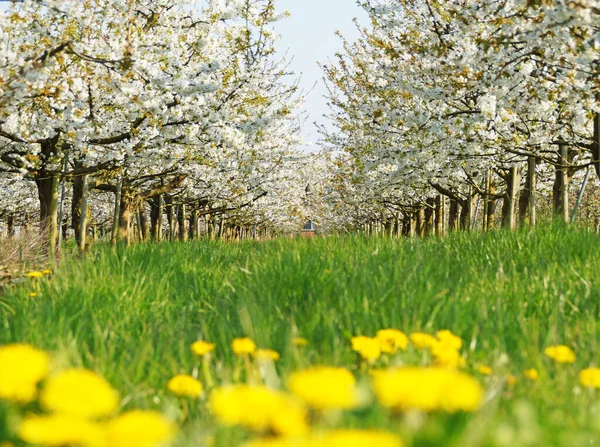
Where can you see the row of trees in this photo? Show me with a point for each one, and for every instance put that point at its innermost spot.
(447, 107)
(135, 113)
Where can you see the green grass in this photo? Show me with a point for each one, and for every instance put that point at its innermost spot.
(132, 314)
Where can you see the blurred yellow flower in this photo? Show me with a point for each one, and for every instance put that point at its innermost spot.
(79, 392)
(46, 272)
(266, 354)
(446, 356)
(243, 346)
(185, 386)
(427, 389)
(358, 438)
(368, 348)
(485, 370)
(560, 354)
(139, 428)
(511, 379)
(390, 340)
(35, 275)
(300, 341)
(590, 377)
(324, 387)
(32, 294)
(422, 340)
(201, 347)
(277, 442)
(531, 374)
(21, 368)
(449, 340)
(334, 438)
(59, 430)
(259, 408)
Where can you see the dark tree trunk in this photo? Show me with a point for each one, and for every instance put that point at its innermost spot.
(76, 207)
(144, 224)
(453, 215)
(183, 235)
(429, 216)
(10, 224)
(156, 216)
(513, 180)
(465, 215)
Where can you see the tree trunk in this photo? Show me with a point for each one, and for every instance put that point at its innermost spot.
(560, 188)
(465, 214)
(183, 235)
(117, 214)
(429, 222)
(596, 141)
(47, 187)
(513, 180)
(170, 216)
(406, 226)
(439, 216)
(127, 209)
(490, 219)
(156, 217)
(193, 230)
(10, 225)
(453, 215)
(83, 214)
(144, 224)
(421, 222)
(76, 206)
(527, 211)
(564, 182)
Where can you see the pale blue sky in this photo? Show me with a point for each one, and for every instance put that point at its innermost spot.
(309, 35)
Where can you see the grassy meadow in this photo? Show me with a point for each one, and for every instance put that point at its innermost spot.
(132, 314)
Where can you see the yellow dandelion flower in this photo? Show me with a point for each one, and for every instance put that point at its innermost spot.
(447, 357)
(79, 392)
(22, 367)
(358, 438)
(427, 389)
(324, 387)
(390, 340)
(139, 428)
(449, 340)
(531, 374)
(484, 370)
(46, 272)
(334, 438)
(290, 420)
(258, 408)
(422, 340)
(368, 348)
(201, 348)
(59, 430)
(276, 442)
(590, 377)
(35, 275)
(185, 386)
(243, 346)
(32, 294)
(300, 341)
(266, 354)
(511, 380)
(560, 354)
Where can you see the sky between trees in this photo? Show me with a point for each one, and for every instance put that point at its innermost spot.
(309, 36)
